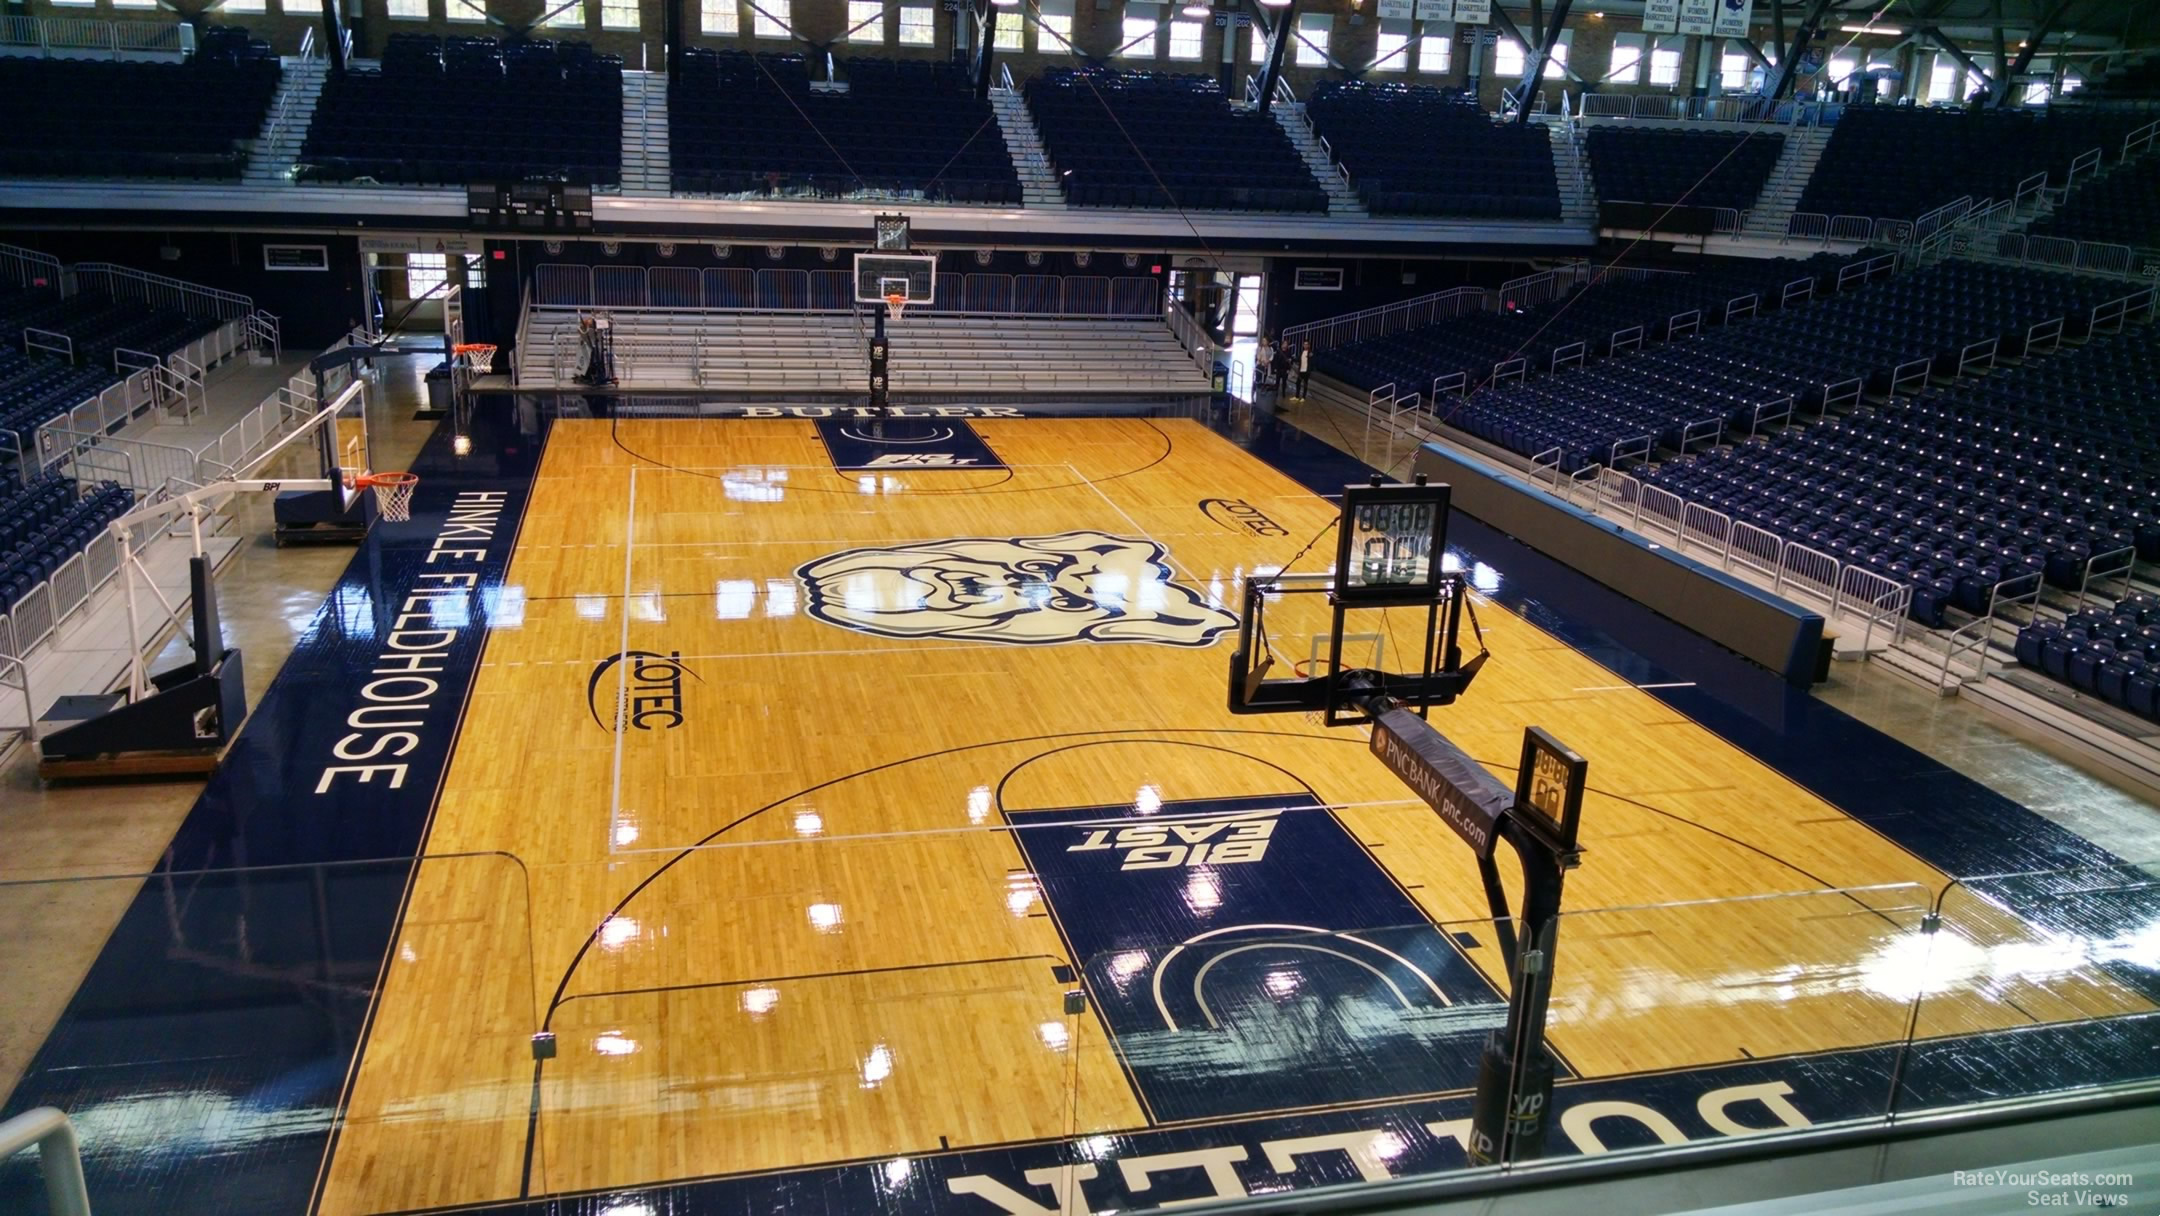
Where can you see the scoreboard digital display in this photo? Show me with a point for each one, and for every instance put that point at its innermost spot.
(530, 207)
(1392, 538)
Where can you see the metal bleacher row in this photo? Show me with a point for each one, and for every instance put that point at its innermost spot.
(826, 352)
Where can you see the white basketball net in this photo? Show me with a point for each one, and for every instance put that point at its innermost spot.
(393, 495)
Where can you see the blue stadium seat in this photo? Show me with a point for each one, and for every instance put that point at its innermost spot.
(94, 118)
(1418, 150)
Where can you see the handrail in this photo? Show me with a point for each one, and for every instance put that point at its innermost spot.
(30, 731)
(59, 1155)
(1983, 631)
(24, 267)
(162, 291)
(2139, 141)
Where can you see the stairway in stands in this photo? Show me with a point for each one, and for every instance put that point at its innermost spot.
(1780, 197)
(1571, 168)
(645, 157)
(1038, 181)
(1341, 199)
(285, 127)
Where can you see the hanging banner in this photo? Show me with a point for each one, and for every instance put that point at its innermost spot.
(1396, 10)
(1698, 16)
(1473, 12)
(1661, 16)
(1435, 10)
(1734, 18)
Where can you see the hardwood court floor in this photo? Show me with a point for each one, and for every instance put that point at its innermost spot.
(792, 928)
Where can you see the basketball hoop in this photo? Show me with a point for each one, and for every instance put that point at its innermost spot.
(393, 493)
(478, 357)
(896, 303)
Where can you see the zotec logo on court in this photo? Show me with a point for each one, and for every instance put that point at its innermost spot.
(1237, 513)
(1164, 846)
(648, 694)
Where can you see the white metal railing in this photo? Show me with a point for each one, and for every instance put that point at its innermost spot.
(1193, 337)
(1703, 533)
(160, 291)
(59, 1157)
(44, 608)
(29, 268)
(1387, 319)
(1976, 638)
(74, 35)
(264, 331)
(15, 674)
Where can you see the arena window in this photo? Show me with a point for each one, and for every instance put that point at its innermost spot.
(244, 6)
(1556, 63)
(154, 4)
(1665, 64)
(918, 25)
(83, 3)
(866, 21)
(1312, 41)
(771, 19)
(721, 17)
(1841, 68)
(1436, 50)
(1054, 25)
(1136, 38)
(1185, 39)
(1733, 69)
(618, 14)
(1508, 58)
(400, 10)
(1393, 51)
(1625, 67)
(560, 13)
(1011, 30)
(424, 272)
(454, 10)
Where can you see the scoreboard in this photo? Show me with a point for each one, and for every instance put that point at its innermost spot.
(530, 207)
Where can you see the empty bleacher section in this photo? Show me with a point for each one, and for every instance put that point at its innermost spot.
(1693, 167)
(1891, 163)
(451, 111)
(89, 118)
(1121, 139)
(1890, 335)
(2109, 650)
(742, 124)
(42, 527)
(1418, 150)
(2138, 79)
(781, 332)
(2122, 208)
(1625, 310)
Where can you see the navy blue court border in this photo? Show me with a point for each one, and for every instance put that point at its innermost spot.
(205, 1055)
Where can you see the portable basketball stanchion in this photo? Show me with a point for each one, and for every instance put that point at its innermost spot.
(1390, 541)
(178, 721)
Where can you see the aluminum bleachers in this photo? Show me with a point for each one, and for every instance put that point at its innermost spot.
(826, 352)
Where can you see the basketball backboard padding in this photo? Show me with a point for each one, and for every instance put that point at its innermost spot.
(878, 275)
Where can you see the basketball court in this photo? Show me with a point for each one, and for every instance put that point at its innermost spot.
(857, 796)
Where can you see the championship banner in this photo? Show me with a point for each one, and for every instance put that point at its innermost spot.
(1396, 10)
(1435, 10)
(1698, 16)
(1735, 17)
(1473, 12)
(1661, 16)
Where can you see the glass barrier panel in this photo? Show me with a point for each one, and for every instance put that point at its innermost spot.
(746, 1074)
(189, 1021)
(1685, 1022)
(1277, 1056)
(2036, 984)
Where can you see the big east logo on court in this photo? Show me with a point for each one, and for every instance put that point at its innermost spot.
(1164, 846)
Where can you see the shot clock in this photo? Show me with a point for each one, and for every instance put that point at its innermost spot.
(1392, 536)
